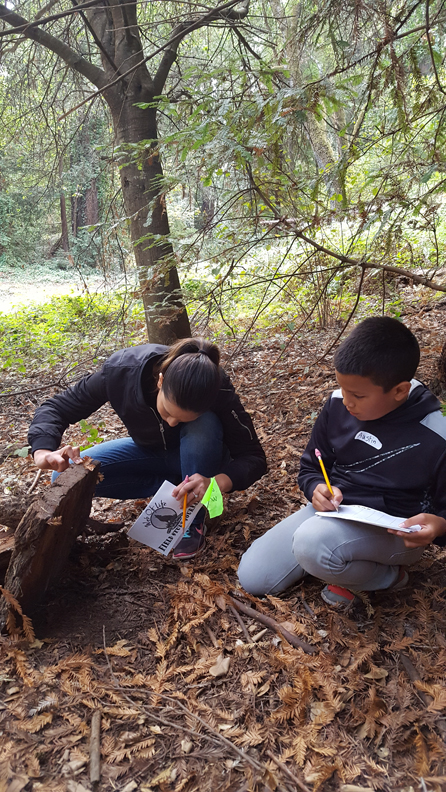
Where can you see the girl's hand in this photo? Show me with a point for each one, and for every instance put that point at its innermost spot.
(431, 527)
(323, 500)
(194, 487)
(57, 460)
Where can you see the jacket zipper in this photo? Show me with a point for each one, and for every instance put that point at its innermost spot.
(161, 428)
(241, 424)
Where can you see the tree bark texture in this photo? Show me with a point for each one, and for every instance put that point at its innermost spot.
(63, 211)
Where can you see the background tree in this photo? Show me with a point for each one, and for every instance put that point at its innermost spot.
(112, 33)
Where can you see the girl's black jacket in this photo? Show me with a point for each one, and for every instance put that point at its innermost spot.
(119, 382)
(396, 464)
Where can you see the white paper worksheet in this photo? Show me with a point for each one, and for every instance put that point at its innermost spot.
(160, 524)
(370, 516)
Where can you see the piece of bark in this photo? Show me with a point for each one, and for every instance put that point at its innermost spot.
(45, 535)
(95, 747)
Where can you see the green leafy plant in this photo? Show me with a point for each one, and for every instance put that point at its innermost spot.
(67, 332)
(22, 452)
(93, 433)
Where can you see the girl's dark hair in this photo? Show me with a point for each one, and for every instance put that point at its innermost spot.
(191, 374)
(382, 349)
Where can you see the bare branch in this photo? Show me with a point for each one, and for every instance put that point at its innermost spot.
(178, 34)
(98, 42)
(399, 271)
(224, 11)
(39, 21)
(73, 59)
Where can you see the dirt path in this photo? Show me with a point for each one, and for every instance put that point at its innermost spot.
(39, 284)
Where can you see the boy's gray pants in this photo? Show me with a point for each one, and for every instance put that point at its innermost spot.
(349, 554)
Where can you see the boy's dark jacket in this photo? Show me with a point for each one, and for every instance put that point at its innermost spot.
(396, 463)
(119, 382)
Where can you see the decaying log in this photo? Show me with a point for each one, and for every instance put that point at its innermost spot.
(12, 509)
(6, 547)
(101, 528)
(45, 535)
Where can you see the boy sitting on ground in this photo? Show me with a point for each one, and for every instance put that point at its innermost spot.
(382, 437)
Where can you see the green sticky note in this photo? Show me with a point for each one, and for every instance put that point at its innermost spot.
(213, 500)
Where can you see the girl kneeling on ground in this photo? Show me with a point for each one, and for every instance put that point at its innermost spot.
(183, 418)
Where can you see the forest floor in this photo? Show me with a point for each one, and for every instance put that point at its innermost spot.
(187, 701)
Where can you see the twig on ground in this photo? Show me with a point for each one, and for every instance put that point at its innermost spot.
(241, 623)
(35, 482)
(95, 747)
(273, 625)
(212, 636)
(259, 635)
(309, 610)
(288, 772)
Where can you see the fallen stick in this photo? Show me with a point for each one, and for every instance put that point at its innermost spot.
(307, 607)
(288, 772)
(95, 747)
(35, 482)
(273, 625)
(241, 623)
(213, 637)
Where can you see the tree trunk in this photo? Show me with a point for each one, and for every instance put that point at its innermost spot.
(144, 200)
(91, 204)
(206, 201)
(315, 130)
(63, 211)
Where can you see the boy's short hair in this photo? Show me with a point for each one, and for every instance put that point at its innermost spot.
(382, 349)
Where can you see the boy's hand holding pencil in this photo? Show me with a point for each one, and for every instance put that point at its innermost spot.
(323, 500)
(325, 496)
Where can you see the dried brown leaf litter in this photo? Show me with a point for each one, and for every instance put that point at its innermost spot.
(194, 693)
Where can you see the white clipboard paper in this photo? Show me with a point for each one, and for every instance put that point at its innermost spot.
(370, 516)
(160, 524)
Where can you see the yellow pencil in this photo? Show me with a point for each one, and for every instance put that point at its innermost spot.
(327, 480)
(185, 505)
